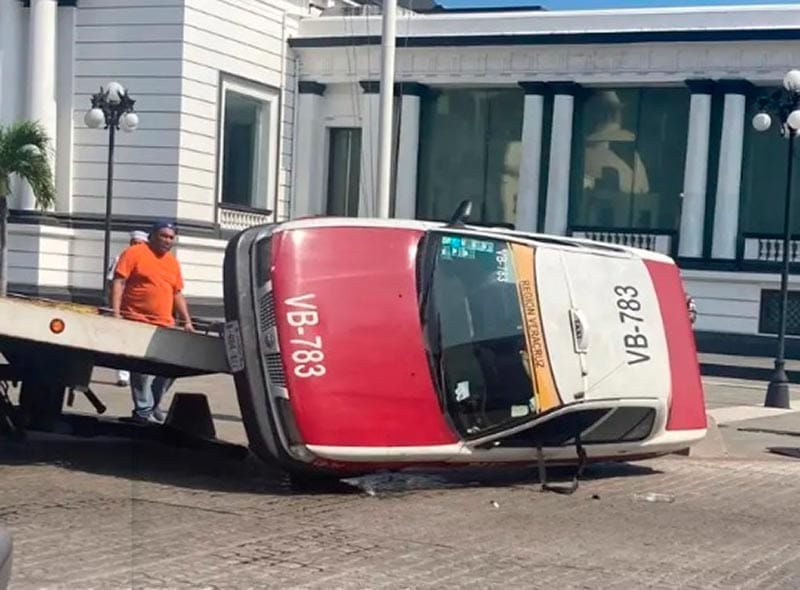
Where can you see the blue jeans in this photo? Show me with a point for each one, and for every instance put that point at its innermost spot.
(147, 391)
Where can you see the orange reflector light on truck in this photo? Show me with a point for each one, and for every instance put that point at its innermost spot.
(57, 326)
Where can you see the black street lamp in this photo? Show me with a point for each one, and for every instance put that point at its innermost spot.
(785, 105)
(113, 109)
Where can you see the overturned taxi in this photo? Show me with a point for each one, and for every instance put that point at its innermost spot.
(366, 344)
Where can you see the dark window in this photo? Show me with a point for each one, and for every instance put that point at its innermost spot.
(245, 152)
(629, 158)
(344, 171)
(470, 148)
(764, 177)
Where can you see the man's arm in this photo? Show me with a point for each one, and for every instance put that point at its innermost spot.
(183, 311)
(117, 287)
(112, 272)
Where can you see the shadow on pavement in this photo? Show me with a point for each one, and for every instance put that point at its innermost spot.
(413, 480)
(744, 372)
(224, 467)
(793, 452)
(206, 468)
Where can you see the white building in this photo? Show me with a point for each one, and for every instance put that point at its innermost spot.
(628, 125)
(623, 125)
(198, 69)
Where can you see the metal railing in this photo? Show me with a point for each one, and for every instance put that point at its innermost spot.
(661, 242)
(236, 218)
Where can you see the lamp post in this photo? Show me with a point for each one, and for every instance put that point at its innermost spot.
(785, 105)
(112, 109)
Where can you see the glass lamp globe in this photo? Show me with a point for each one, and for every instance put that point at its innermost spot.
(130, 121)
(762, 121)
(115, 91)
(94, 118)
(793, 120)
(791, 81)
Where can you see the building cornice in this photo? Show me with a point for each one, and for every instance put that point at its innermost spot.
(400, 88)
(310, 87)
(534, 87)
(588, 38)
(73, 3)
(735, 86)
(701, 85)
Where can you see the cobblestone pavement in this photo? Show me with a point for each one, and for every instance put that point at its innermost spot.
(110, 514)
(103, 513)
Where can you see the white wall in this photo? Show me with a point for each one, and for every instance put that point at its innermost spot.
(141, 47)
(59, 256)
(729, 302)
(201, 263)
(238, 38)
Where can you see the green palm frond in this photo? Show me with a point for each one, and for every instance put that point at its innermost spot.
(16, 157)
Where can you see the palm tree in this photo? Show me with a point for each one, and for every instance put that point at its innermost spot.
(24, 151)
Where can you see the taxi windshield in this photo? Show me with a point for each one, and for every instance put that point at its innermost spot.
(470, 307)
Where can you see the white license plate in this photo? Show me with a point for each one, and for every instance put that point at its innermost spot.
(234, 349)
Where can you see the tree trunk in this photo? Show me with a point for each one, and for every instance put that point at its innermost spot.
(3, 241)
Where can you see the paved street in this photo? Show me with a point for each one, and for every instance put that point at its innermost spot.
(103, 513)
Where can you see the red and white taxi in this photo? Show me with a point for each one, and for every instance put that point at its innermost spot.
(363, 344)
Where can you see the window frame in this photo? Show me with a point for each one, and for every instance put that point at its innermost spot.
(269, 174)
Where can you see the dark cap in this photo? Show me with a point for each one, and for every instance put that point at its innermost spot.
(164, 223)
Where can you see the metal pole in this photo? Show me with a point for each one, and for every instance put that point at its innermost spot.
(109, 184)
(778, 388)
(386, 104)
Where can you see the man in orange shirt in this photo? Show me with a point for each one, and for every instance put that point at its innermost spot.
(147, 288)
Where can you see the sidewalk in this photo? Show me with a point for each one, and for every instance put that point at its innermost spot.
(735, 388)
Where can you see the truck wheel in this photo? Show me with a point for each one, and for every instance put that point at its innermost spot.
(41, 403)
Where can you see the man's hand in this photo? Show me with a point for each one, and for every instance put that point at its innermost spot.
(183, 311)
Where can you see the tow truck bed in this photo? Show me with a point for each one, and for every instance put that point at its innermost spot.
(51, 348)
(33, 325)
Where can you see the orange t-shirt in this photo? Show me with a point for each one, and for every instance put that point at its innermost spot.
(151, 282)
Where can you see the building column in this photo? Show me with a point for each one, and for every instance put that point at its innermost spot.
(527, 218)
(695, 176)
(41, 97)
(308, 196)
(65, 90)
(555, 219)
(12, 72)
(729, 175)
(370, 111)
(405, 193)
